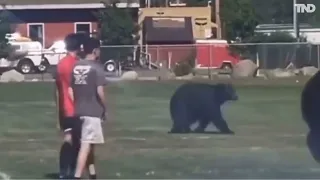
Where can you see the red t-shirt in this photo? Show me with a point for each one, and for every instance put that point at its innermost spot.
(63, 80)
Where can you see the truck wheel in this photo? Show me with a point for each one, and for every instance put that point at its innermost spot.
(44, 66)
(25, 66)
(110, 67)
(226, 66)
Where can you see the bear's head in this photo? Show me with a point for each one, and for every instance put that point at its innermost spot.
(226, 92)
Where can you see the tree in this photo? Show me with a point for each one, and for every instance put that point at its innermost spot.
(311, 18)
(239, 19)
(5, 28)
(117, 28)
(256, 41)
(281, 11)
(274, 11)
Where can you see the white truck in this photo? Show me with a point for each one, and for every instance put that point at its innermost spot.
(37, 58)
(26, 64)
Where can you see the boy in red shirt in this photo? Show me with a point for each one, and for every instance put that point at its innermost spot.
(69, 123)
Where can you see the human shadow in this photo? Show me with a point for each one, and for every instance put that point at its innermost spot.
(51, 176)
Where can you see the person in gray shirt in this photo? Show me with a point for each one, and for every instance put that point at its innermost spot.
(87, 91)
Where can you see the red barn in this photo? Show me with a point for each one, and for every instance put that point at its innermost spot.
(49, 21)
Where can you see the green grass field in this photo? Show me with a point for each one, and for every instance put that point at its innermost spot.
(269, 140)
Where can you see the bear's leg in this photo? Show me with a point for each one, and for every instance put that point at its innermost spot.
(314, 145)
(181, 123)
(223, 127)
(181, 128)
(175, 129)
(220, 123)
(203, 123)
(186, 129)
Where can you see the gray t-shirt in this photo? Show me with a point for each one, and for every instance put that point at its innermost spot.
(86, 77)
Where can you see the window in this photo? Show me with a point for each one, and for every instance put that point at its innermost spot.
(83, 28)
(175, 3)
(36, 32)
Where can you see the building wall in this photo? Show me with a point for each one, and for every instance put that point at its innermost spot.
(53, 31)
(200, 15)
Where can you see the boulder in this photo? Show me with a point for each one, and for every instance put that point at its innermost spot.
(245, 68)
(129, 75)
(280, 73)
(12, 76)
(166, 76)
(309, 70)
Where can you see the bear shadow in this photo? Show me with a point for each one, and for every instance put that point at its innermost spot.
(214, 132)
(206, 132)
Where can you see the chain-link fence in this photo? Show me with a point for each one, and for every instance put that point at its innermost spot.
(215, 55)
(206, 56)
(280, 55)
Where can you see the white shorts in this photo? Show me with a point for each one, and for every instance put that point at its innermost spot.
(91, 130)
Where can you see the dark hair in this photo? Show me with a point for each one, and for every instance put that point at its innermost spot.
(90, 44)
(73, 42)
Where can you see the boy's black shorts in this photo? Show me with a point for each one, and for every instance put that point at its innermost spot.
(67, 123)
(72, 124)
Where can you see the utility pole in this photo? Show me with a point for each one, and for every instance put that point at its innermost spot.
(218, 20)
(295, 21)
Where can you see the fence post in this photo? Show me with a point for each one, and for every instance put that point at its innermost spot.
(318, 55)
(210, 56)
(150, 61)
(120, 69)
(158, 53)
(258, 64)
(265, 60)
(169, 59)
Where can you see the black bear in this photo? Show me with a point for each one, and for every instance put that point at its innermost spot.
(310, 109)
(194, 102)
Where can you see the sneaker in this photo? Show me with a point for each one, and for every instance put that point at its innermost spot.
(62, 177)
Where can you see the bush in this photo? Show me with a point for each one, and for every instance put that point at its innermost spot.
(185, 66)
